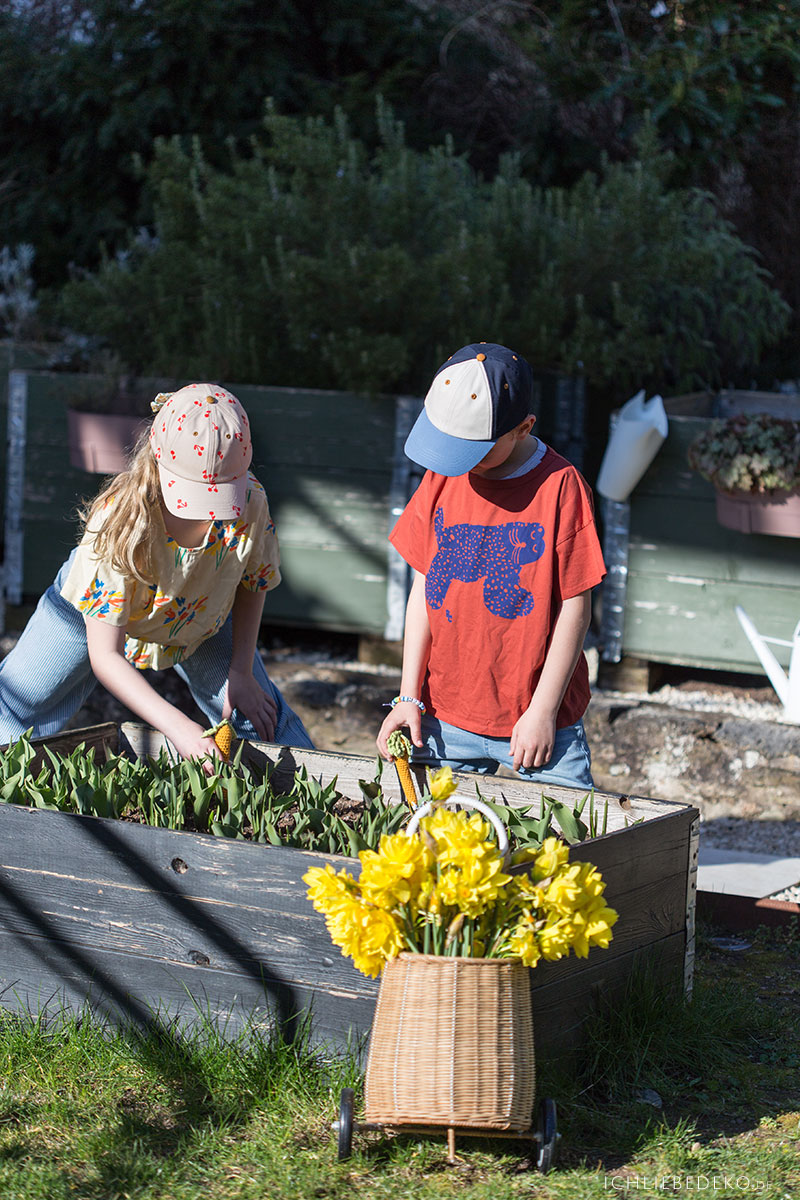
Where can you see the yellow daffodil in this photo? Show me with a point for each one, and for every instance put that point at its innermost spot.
(368, 935)
(429, 898)
(523, 945)
(524, 890)
(554, 939)
(474, 887)
(394, 874)
(448, 888)
(328, 889)
(598, 930)
(549, 860)
(460, 837)
(564, 892)
(441, 783)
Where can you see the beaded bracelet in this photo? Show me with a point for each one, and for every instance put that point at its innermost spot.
(409, 700)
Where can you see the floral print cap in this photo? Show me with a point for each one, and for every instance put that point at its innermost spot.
(201, 441)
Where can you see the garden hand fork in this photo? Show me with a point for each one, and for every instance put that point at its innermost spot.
(786, 684)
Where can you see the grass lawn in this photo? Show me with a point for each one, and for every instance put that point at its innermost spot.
(672, 1099)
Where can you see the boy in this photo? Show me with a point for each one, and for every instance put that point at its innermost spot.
(501, 537)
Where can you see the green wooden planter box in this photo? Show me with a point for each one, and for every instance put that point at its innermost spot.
(676, 574)
(151, 925)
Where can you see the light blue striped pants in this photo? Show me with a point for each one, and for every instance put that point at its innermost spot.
(47, 677)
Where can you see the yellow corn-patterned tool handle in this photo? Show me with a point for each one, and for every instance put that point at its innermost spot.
(400, 749)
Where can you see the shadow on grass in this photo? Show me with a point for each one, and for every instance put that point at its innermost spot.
(186, 1087)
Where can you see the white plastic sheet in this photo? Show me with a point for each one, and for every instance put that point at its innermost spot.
(639, 430)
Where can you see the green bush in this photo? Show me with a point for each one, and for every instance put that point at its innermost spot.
(313, 262)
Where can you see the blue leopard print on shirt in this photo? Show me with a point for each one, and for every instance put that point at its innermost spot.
(494, 553)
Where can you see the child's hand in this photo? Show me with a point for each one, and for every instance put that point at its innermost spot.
(191, 741)
(249, 698)
(533, 738)
(403, 715)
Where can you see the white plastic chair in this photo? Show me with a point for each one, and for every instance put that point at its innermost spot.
(786, 684)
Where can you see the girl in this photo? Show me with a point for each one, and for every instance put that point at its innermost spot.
(176, 557)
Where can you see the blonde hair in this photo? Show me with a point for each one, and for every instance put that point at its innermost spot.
(120, 517)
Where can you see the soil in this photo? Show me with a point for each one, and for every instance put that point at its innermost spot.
(707, 738)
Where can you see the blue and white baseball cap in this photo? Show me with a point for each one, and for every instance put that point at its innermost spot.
(482, 392)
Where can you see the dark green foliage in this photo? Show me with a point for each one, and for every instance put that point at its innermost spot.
(706, 73)
(718, 82)
(85, 89)
(315, 262)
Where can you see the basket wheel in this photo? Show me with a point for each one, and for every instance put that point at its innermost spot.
(547, 1136)
(345, 1124)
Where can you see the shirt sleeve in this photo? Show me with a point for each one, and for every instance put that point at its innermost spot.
(262, 564)
(411, 534)
(578, 551)
(95, 588)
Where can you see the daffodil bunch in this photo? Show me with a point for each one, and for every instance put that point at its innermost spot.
(445, 890)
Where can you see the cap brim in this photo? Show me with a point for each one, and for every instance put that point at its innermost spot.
(441, 452)
(199, 502)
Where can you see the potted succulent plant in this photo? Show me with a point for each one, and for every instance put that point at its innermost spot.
(753, 461)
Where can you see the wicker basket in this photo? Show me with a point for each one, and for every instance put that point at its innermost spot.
(452, 1044)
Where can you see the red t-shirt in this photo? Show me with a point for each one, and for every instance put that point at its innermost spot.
(499, 556)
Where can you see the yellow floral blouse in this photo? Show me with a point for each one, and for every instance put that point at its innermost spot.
(196, 587)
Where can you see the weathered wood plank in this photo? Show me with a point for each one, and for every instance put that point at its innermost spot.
(278, 935)
(338, 589)
(640, 853)
(234, 872)
(325, 459)
(564, 1006)
(686, 572)
(677, 620)
(50, 977)
(42, 974)
(331, 507)
(683, 537)
(311, 428)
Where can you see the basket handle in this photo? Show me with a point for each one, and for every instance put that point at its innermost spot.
(491, 817)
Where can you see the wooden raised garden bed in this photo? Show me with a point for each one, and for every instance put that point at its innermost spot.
(149, 924)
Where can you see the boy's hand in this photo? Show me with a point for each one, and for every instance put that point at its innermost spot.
(402, 716)
(533, 738)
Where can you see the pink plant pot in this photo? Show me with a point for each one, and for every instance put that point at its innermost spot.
(101, 442)
(749, 512)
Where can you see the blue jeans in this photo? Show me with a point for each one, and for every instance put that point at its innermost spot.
(47, 677)
(569, 765)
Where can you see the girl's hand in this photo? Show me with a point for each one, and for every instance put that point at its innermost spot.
(249, 698)
(188, 739)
